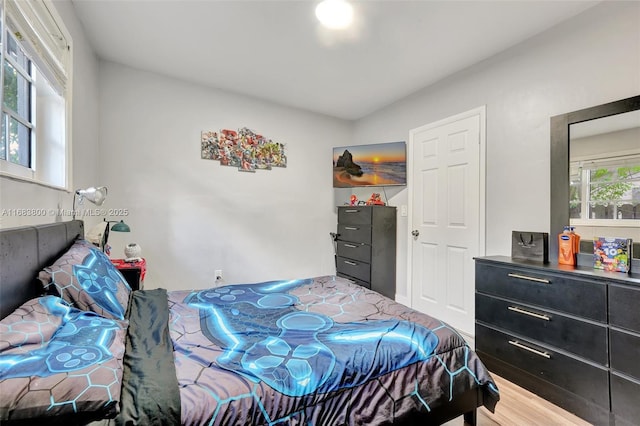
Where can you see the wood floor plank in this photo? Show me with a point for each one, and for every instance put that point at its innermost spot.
(520, 407)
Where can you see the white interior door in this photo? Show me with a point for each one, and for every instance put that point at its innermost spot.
(447, 220)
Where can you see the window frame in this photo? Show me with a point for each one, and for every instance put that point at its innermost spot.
(28, 122)
(585, 193)
(40, 15)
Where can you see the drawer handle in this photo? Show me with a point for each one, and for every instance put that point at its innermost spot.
(531, 314)
(524, 277)
(527, 348)
(350, 245)
(350, 263)
(351, 211)
(350, 228)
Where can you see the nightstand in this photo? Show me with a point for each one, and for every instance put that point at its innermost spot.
(133, 272)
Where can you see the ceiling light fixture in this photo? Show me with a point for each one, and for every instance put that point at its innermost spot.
(335, 14)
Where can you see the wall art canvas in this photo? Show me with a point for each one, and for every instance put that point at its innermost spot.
(380, 164)
(244, 149)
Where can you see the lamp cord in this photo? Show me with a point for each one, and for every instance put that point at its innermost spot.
(334, 238)
(105, 237)
(73, 212)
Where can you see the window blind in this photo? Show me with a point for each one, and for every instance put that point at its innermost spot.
(34, 25)
(607, 163)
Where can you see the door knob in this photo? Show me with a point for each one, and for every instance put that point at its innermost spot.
(415, 232)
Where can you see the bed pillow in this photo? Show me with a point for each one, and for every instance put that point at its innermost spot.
(56, 360)
(85, 277)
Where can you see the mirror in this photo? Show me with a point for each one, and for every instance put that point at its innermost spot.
(604, 175)
(586, 123)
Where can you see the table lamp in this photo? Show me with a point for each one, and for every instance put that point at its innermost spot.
(95, 195)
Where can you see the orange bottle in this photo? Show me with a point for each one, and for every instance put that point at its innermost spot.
(568, 246)
(576, 243)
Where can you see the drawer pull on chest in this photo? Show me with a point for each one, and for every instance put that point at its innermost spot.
(527, 348)
(524, 277)
(350, 245)
(351, 228)
(529, 313)
(348, 262)
(351, 211)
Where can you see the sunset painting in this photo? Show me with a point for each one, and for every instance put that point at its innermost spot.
(370, 165)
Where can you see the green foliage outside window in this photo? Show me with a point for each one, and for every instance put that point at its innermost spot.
(10, 100)
(606, 190)
(611, 185)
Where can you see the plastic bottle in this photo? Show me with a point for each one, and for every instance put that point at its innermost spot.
(576, 243)
(568, 246)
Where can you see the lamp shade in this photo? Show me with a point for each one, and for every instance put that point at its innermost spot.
(95, 195)
(121, 227)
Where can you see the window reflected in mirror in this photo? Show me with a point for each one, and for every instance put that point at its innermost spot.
(604, 170)
(606, 188)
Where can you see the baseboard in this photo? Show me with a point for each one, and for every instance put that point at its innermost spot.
(403, 300)
(471, 340)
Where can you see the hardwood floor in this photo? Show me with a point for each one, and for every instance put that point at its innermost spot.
(520, 407)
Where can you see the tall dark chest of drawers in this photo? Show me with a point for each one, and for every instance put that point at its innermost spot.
(366, 247)
(570, 335)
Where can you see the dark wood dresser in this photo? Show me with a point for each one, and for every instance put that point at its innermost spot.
(570, 335)
(366, 247)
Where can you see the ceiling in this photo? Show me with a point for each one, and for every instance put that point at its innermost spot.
(276, 50)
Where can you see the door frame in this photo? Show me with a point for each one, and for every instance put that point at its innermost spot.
(481, 111)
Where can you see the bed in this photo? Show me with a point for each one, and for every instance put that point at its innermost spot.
(79, 347)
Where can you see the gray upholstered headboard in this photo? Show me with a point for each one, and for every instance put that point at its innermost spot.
(24, 252)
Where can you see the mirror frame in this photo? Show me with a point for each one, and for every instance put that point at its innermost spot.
(559, 195)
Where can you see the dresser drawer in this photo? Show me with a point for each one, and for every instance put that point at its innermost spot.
(355, 215)
(582, 338)
(574, 375)
(354, 233)
(625, 398)
(625, 352)
(354, 268)
(356, 251)
(624, 304)
(567, 294)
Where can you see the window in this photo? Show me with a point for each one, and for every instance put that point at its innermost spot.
(17, 116)
(35, 56)
(606, 188)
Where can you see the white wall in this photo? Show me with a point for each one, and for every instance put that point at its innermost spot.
(591, 59)
(23, 195)
(605, 145)
(275, 224)
(192, 216)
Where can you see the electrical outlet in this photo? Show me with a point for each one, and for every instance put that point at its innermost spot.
(218, 274)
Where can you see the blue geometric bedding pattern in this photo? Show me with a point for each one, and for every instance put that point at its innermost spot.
(299, 353)
(319, 351)
(81, 340)
(73, 357)
(102, 281)
(85, 277)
